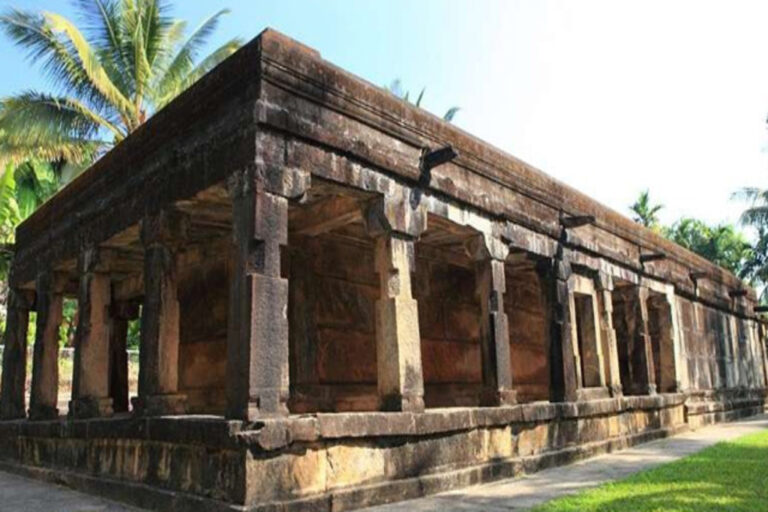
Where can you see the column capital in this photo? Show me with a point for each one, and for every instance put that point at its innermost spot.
(167, 227)
(287, 182)
(603, 281)
(484, 246)
(395, 214)
(21, 299)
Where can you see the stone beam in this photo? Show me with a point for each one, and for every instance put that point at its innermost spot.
(326, 215)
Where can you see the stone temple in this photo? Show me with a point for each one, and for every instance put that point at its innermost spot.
(347, 301)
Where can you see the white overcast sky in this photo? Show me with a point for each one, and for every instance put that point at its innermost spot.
(614, 97)
(611, 96)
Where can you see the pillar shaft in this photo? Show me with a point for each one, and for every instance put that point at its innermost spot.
(122, 313)
(90, 382)
(564, 360)
(642, 357)
(609, 334)
(257, 345)
(489, 255)
(44, 396)
(15, 356)
(398, 343)
(159, 347)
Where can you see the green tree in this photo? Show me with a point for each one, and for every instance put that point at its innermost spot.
(129, 60)
(721, 244)
(396, 88)
(756, 216)
(644, 212)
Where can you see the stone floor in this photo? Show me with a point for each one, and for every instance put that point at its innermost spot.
(528, 491)
(19, 494)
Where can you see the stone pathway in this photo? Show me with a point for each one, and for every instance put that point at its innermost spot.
(18, 494)
(527, 491)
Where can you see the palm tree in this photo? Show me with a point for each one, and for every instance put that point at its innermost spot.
(396, 88)
(644, 212)
(756, 215)
(129, 60)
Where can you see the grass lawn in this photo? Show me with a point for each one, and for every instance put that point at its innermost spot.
(730, 476)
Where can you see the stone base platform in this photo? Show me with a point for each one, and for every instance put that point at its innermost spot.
(334, 462)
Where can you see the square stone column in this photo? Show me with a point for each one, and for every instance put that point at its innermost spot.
(257, 342)
(122, 313)
(394, 224)
(44, 396)
(490, 254)
(15, 355)
(604, 285)
(642, 353)
(161, 235)
(90, 376)
(564, 360)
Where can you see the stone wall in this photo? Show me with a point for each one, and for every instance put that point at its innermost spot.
(324, 461)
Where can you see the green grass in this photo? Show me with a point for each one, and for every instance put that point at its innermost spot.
(730, 476)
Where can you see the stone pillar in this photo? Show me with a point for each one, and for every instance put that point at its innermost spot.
(158, 395)
(395, 224)
(605, 289)
(122, 313)
(642, 357)
(257, 343)
(564, 362)
(490, 255)
(675, 339)
(90, 376)
(15, 355)
(44, 396)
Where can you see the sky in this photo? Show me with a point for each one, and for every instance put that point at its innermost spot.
(612, 97)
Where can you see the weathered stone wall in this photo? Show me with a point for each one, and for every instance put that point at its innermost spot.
(327, 461)
(333, 289)
(528, 311)
(449, 324)
(203, 298)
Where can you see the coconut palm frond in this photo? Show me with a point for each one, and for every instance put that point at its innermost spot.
(172, 89)
(184, 60)
(451, 113)
(91, 64)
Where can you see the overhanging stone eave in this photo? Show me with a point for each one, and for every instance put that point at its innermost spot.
(375, 107)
